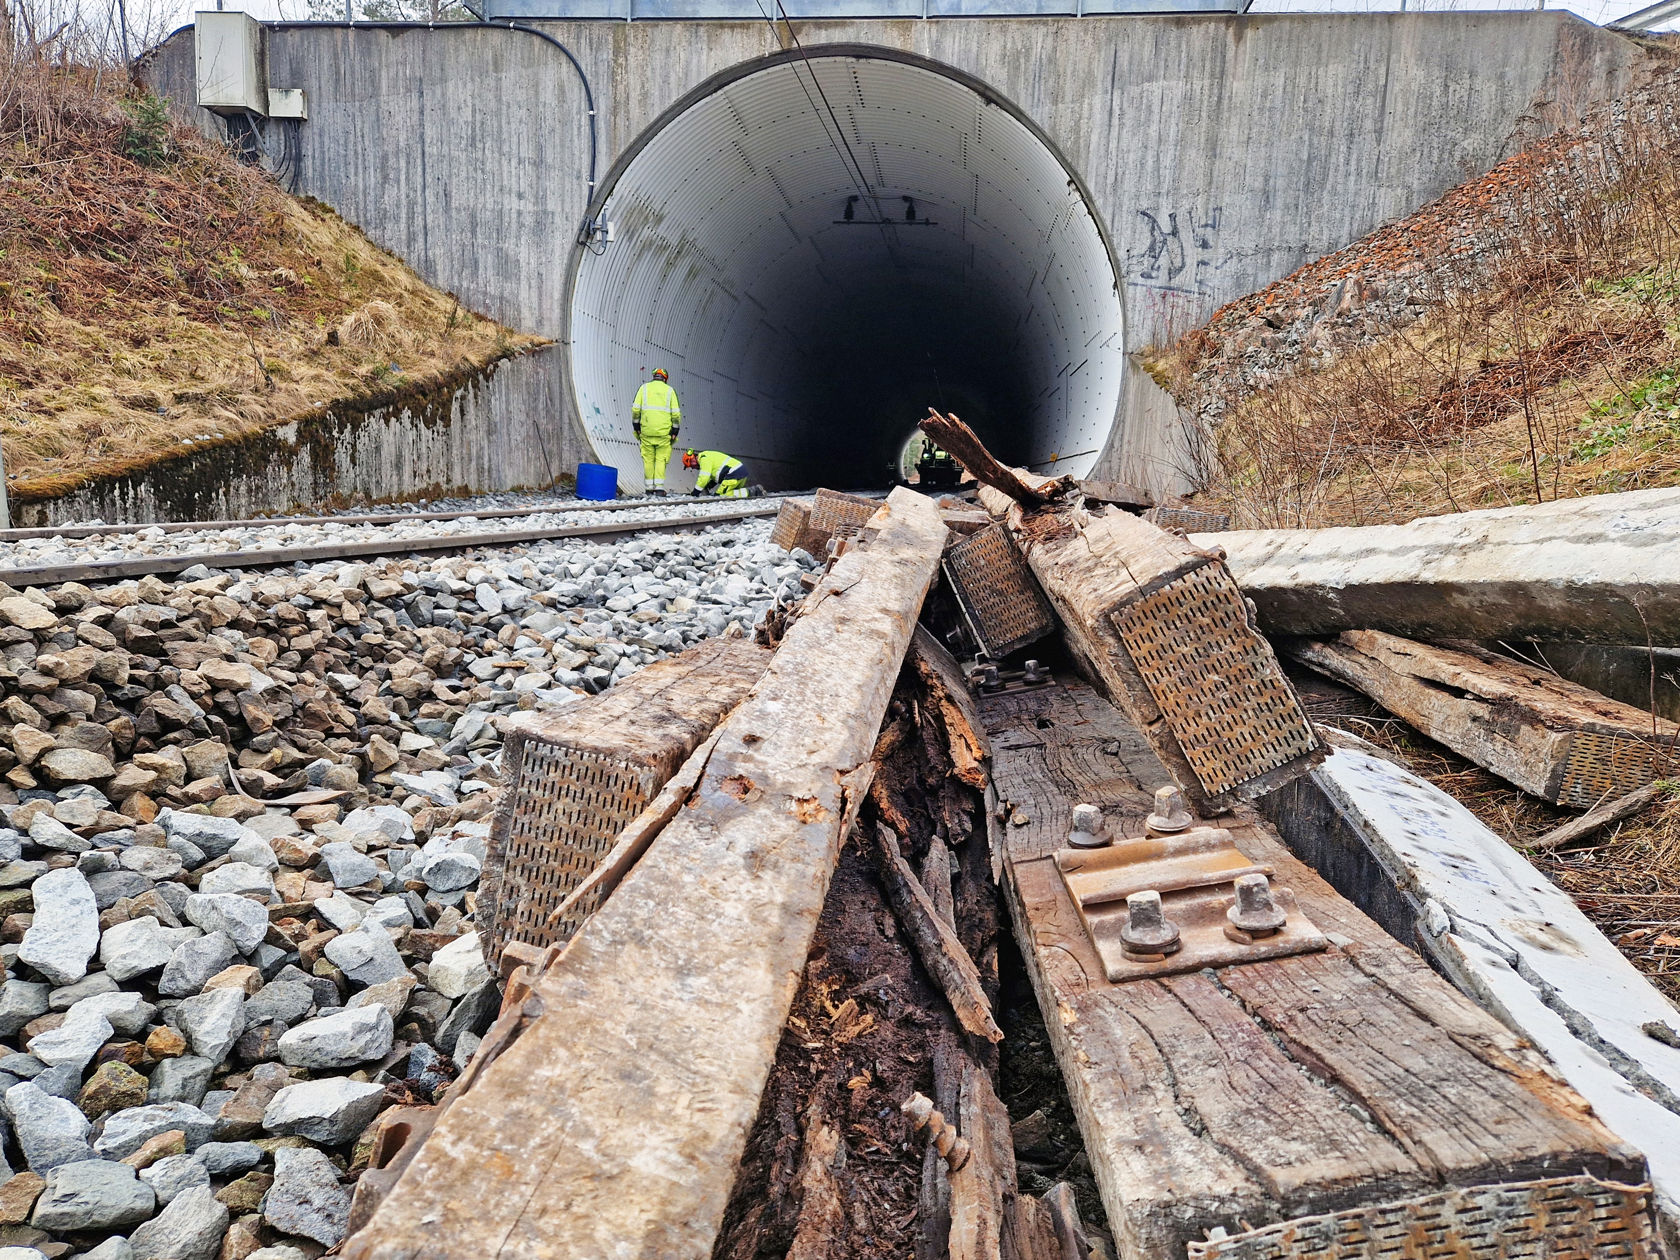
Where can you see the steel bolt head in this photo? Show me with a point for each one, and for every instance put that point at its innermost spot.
(1170, 811)
(1087, 828)
(1255, 910)
(1148, 930)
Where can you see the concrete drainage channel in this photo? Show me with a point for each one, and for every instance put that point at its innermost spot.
(185, 1066)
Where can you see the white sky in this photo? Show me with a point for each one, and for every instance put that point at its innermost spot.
(180, 11)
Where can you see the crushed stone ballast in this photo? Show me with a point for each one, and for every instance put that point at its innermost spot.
(100, 529)
(387, 540)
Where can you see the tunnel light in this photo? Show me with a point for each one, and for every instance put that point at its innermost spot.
(597, 234)
(880, 219)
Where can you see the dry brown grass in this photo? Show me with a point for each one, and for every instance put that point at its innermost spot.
(1389, 433)
(1545, 365)
(146, 308)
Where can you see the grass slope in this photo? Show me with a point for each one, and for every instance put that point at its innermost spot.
(155, 294)
(1517, 340)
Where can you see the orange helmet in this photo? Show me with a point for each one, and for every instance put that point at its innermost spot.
(660, 374)
(690, 459)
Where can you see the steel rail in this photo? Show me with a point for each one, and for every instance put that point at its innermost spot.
(139, 566)
(379, 518)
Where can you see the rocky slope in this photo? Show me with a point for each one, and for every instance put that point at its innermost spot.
(1514, 341)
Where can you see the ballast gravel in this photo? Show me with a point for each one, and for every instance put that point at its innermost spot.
(253, 540)
(243, 817)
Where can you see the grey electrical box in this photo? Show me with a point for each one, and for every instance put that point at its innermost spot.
(232, 65)
(287, 103)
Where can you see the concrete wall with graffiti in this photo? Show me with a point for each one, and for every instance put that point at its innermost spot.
(1220, 152)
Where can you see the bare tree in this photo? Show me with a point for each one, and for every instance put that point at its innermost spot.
(394, 10)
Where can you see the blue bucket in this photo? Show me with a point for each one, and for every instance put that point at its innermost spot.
(597, 481)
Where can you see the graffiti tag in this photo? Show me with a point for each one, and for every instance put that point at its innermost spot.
(1182, 252)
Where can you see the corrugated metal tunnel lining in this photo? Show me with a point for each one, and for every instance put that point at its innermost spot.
(808, 344)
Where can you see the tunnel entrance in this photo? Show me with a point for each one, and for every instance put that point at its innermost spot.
(820, 249)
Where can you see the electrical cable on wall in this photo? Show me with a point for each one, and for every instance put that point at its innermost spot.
(294, 155)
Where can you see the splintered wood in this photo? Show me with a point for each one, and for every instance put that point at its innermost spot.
(1161, 627)
(936, 943)
(1258, 1092)
(965, 445)
(615, 1124)
(1550, 737)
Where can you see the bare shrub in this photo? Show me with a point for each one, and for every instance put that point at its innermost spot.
(1531, 292)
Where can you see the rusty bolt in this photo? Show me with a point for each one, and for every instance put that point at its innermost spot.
(952, 1149)
(1148, 930)
(919, 1107)
(1087, 828)
(983, 676)
(1034, 672)
(1255, 911)
(1170, 812)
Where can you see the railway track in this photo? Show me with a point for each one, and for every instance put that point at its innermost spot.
(140, 566)
(372, 518)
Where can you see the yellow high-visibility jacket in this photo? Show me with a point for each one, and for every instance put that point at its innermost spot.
(656, 411)
(717, 468)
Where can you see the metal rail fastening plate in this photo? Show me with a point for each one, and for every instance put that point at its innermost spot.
(1194, 873)
(827, 513)
(791, 523)
(1601, 766)
(1225, 699)
(1190, 520)
(1564, 1218)
(997, 590)
(831, 509)
(568, 807)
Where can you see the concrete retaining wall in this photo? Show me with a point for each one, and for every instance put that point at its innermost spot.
(1157, 447)
(1221, 153)
(495, 429)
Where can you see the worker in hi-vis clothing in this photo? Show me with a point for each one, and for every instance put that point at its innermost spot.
(657, 417)
(723, 475)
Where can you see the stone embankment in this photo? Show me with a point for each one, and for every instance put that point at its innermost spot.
(242, 819)
(1513, 216)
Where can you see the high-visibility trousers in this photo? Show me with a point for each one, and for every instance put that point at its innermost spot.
(736, 488)
(656, 454)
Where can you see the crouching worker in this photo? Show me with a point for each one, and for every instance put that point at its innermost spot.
(720, 474)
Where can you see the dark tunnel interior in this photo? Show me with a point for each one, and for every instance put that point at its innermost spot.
(823, 248)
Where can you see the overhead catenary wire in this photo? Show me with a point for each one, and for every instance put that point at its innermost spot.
(848, 156)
